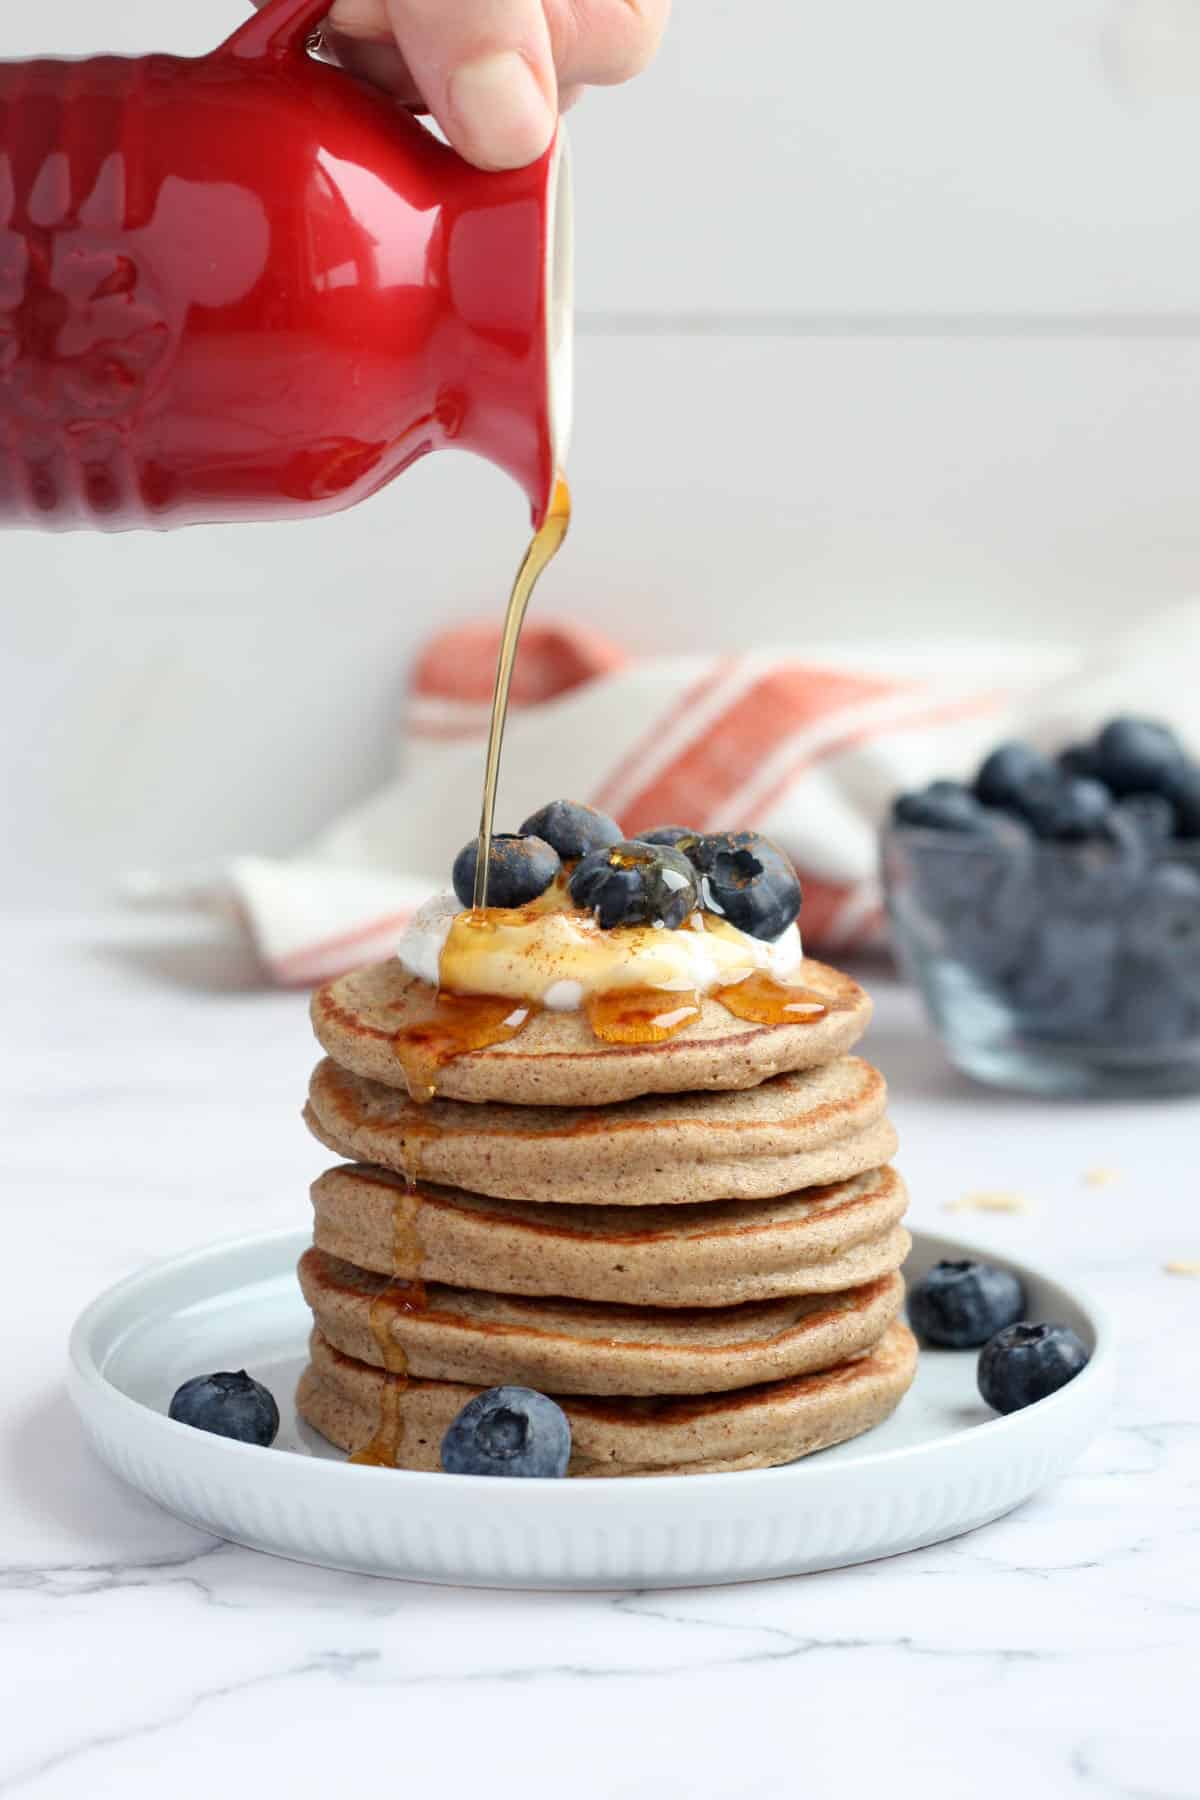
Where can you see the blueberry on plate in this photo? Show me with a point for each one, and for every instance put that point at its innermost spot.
(519, 869)
(1182, 789)
(232, 1406)
(1137, 756)
(674, 835)
(512, 1431)
(959, 1305)
(1064, 808)
(632, 883)
(1007, 771)
(572, 829)
(1024, 1363)
(942, 806)
(747, 880)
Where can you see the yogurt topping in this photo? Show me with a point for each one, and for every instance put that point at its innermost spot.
(556, 956)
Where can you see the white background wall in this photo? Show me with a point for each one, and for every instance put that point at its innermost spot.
(890, 323)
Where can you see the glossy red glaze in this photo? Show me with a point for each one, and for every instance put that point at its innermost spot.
(244, 286)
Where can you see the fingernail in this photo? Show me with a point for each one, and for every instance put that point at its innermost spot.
(504, 119)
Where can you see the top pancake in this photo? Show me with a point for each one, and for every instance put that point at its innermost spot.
(557, 1060)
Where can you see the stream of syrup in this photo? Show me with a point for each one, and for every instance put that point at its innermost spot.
(545, 546)
(460, 1023)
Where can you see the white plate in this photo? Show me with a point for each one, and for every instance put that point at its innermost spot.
(941, 1465)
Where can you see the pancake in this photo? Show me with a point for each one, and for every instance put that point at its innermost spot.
(557, 1060)
(754, 1428)
(800, 1129)
(717, 1254)
(583, 1346)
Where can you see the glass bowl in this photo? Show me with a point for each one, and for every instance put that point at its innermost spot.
(1054, 968)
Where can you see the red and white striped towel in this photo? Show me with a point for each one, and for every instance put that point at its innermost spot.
(809, 749)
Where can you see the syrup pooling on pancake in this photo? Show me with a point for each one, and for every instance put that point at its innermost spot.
(765, 1000)
(641, 1015)
(458, 1023)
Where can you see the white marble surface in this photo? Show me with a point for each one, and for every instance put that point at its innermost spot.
(150, 1100)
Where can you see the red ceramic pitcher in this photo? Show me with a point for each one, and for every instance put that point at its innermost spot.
(245, 286)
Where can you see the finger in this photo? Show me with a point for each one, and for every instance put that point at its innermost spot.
(486, 71)
(598, 43)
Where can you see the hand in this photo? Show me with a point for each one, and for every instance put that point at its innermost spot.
(494, 73)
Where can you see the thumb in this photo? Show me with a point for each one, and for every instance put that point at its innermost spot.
(485, 69)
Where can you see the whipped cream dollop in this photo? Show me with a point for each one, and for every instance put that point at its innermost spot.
(558, 956)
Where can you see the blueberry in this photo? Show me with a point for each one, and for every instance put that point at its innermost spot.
(232, 1406)
(510, 1431)
(748, 880)
(633, 883)
(1137, 756)
(673, 835)
(1024, 1363)
(1064, 808)
(1006, 773)
(1163, 924)
(977, 890)
(962, 1304)
(1063, 986)
(572, 829)
(1182, 789)
(1150, 1010)
(1079, 759)
(942, 806)
(1152, 816)
(519, 869)
(1096, 878)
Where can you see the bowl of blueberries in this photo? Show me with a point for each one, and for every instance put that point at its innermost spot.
(1049, 912)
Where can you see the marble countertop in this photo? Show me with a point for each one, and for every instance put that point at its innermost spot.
(150, 1101)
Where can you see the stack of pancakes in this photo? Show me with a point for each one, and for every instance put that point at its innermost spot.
(693, 1245)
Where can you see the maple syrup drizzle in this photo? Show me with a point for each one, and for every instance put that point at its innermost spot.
(398, 1297)
(545, 546)
(641, 1015)
(769, 1001)
(383, 1448)
(408, 1253)
(458, 1023)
